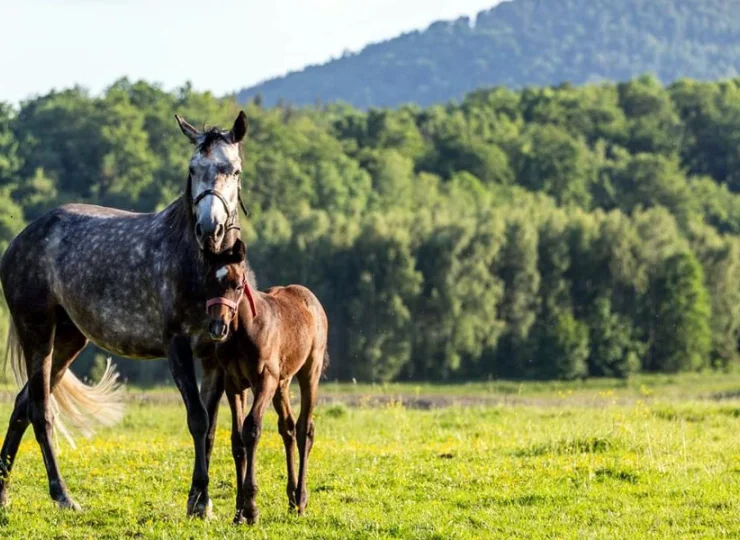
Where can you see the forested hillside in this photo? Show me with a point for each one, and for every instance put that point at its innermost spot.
(527, 42)
(545, 233)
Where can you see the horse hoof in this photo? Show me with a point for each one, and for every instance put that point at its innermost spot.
(67, 503)
(302, 502)
(241, 519)
(200, 509)
(250, 519)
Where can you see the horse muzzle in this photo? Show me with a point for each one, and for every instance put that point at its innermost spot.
(218, 331)
(210, 239)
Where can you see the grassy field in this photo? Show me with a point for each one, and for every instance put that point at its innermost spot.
(658, 457)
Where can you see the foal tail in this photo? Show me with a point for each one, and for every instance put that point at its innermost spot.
(83, 405)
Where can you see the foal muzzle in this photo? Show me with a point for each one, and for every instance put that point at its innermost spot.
(218, 329)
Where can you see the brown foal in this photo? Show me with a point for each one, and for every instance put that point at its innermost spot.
(275, 336)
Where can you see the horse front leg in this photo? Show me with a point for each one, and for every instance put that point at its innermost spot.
(251, 432)
(211, 392)
(183, 372)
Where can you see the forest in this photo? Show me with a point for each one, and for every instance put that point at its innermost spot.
(544, 233)
(522, 43)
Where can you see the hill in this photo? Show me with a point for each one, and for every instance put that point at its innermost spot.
(522, 43)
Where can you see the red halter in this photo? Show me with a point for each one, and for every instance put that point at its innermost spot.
(235, 305)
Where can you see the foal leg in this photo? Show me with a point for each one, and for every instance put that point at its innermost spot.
(251, 432)
(238, 405)
(211, 391)
(68, 342)
(286, 428)
(183, 371)
(308, 378)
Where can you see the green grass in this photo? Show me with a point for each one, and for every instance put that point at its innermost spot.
(653, 466)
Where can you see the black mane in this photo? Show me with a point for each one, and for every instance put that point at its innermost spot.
(211, 136)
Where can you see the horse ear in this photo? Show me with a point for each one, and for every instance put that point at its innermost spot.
(239, 130)
(189, 131)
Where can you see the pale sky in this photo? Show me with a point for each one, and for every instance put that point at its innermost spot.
(219, 45)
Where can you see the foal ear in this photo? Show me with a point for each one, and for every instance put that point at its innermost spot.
(240, 251)
(189, 131)
(239, 129)
(235, 254)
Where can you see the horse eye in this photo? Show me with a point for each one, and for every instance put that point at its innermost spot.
(237, 173)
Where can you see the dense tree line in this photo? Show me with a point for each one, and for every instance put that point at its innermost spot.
(544, 233)
(521, 43)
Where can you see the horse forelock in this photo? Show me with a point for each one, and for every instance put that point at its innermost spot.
(210, 138)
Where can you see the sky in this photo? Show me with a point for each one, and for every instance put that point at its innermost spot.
(218, 45)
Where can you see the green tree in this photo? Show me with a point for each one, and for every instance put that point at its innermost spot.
(614, 351)
(552, 161)
(682, 311)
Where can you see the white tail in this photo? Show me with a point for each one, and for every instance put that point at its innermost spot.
(83, 405)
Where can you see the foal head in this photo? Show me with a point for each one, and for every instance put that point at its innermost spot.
(226, 285)
(214, 183)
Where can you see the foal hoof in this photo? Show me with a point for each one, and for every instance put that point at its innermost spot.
(66, 503)
(241, 519)
(197, 507)
(302, 500)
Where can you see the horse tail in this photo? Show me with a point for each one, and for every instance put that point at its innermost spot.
(325, 365)
(86, 406)
(83, 405)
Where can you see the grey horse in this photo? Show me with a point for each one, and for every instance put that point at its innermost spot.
(130, 283)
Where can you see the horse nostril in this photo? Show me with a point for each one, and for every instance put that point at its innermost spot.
(224, 330)
(219, 231)
(198, 230)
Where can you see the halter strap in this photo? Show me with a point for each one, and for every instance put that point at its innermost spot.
(222, 300)
(233, 222)
(231, 304)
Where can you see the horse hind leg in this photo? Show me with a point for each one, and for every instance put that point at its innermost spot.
(286, 428)
(68, 342)
(18, 424)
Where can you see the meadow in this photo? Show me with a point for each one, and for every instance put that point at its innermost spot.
(654, 457)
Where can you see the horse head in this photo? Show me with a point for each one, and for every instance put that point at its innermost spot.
(227, 283)
(214, 183)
